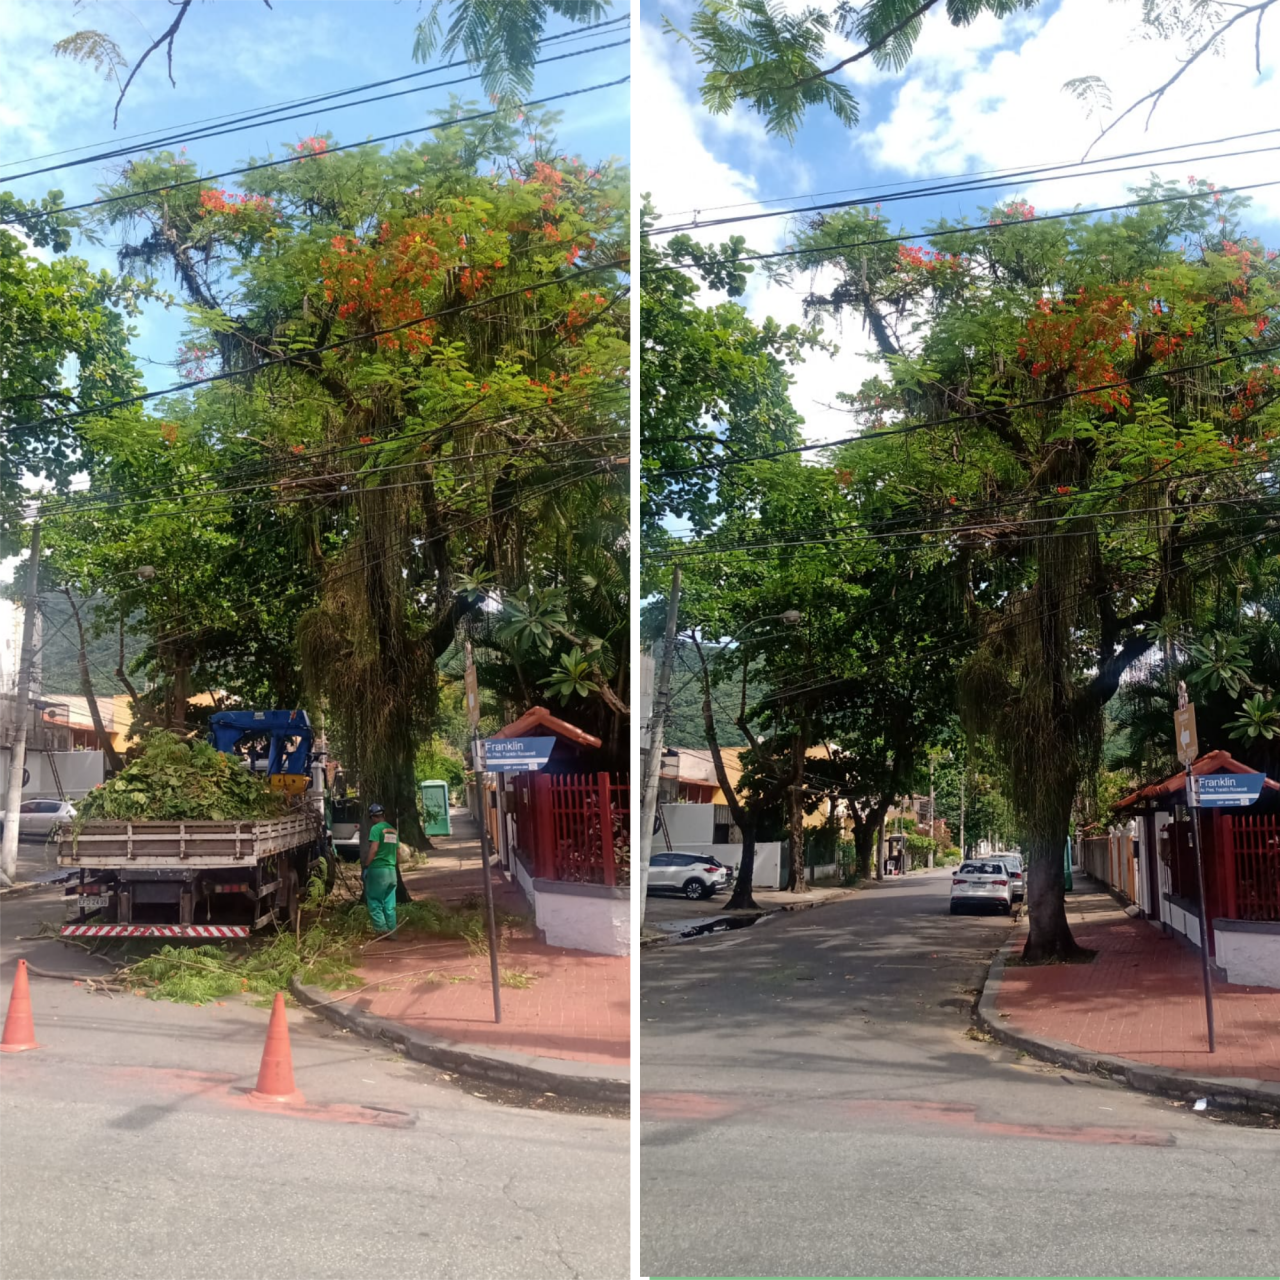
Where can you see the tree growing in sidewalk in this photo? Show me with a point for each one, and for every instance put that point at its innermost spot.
(1082, 413)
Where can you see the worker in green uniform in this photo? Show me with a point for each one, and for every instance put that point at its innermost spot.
(380, 860)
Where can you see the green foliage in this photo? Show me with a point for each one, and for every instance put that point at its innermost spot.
(500, 36)
(438, 759)
(64, 347)
(776, 58)
(1259, 718)
(174, 780)
(1221, 662)
(712, 383)
(200, 975)
(920, 847)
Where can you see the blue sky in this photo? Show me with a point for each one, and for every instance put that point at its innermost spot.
(237, 55)
(987, 96)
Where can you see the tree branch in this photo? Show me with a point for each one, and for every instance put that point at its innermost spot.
(1156, 94)
(137, 66)
(878, 43)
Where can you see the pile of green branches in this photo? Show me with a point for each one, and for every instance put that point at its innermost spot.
(200, 975)
(171, 779)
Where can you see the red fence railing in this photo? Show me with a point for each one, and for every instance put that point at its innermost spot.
(1249, 854)
(575, 827)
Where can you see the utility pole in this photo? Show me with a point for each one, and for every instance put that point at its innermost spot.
(963, 770)
(933, 816)
(18, 751)
(657, 720)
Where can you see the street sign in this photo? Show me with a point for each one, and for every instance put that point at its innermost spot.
(1226, 790)
(1184, 733)
(515, 755)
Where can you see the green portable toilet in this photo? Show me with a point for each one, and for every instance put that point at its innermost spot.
(435, 808)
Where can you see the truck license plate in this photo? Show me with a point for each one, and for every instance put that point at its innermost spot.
(93, 901)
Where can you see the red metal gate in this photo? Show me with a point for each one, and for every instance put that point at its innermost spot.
(575, 827)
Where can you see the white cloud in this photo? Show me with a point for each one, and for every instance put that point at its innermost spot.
(969, 103)
(677, 159)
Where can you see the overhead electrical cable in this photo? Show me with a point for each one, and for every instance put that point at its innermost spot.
(973, 173)
(961, 188)
(974, 418)
(294, 159)
(285, 119)
(295, 356)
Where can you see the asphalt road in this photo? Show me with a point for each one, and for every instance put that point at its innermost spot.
(812, 1106)
(128, 1152)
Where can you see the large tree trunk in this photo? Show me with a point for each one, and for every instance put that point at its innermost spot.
(114, 763)
(742, 896)
(1048, 934)
(864, 844)
(797, 879)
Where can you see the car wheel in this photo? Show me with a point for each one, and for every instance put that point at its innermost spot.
(955, 909)
(694, 889)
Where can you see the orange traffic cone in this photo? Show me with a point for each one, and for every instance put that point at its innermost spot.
(275, 1075)
(19, 1030)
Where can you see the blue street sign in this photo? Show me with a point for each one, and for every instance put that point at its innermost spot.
(516, 755)
(1226, 790)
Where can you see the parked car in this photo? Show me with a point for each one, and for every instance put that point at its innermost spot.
(981, 884)
(344, 829)
(1017, 873)
(37, 818)
(693, 874)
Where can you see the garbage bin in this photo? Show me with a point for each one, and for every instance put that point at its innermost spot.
(435, 808)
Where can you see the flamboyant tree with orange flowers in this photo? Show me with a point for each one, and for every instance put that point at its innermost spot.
(427, 351)
(1078, 416)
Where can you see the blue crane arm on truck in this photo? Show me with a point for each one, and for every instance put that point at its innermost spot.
(288, 738)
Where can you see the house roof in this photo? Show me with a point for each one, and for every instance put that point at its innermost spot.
(540, 718)
(1174, 786)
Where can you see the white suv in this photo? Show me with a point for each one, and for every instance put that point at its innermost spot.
(693, 874)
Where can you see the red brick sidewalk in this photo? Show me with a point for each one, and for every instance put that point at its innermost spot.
(1142, 998)
(567, 1004)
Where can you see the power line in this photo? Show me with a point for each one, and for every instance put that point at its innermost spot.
(959, 188)
(975, 173)
(348, 146)
(283, 119)
(264, 468)
(953, 530)
(234, 122)
(984, 228)
(957, 419)
(616, 264)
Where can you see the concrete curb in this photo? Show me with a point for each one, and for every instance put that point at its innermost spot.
(593, 1081)
(1227, 1092)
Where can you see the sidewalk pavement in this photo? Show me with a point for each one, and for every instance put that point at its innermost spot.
(1141, 1000)
(562, 1005)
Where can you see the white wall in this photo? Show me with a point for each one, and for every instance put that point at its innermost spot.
(571, 916)
(78, 771)
(581, 917)
(688, 825)
(1250, 956)
(767, 871)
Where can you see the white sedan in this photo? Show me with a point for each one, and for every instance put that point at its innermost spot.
(37, 818)
(981, 884)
